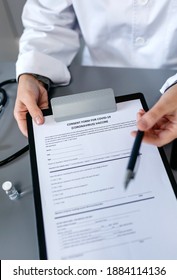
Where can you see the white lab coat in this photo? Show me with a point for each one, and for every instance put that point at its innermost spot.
(139, 34)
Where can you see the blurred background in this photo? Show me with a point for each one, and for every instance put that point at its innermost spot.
(10, 28)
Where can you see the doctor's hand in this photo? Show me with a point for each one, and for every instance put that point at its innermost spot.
(160, 122)
(31, 97)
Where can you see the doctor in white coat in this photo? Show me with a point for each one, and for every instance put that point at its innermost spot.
(132, 33)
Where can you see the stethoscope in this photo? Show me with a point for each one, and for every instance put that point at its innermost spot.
(3, 101)
(3, 98)
(3, 94)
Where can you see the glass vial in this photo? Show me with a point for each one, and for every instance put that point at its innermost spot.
(10, 190)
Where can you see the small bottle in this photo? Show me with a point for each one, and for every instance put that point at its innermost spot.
(10, 190)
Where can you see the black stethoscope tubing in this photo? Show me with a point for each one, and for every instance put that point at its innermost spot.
(3, 100)
(3, 94)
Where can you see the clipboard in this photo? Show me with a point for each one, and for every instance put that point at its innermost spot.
(43, 250)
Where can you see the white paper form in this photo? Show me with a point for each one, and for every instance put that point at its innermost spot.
(87, 213)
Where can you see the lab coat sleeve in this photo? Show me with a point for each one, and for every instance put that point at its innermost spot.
(50, 39)
(171, 81)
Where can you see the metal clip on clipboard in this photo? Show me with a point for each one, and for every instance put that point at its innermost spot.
(83, 104)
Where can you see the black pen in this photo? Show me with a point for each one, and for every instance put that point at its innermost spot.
(133, 158)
